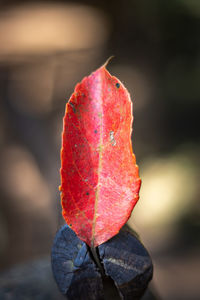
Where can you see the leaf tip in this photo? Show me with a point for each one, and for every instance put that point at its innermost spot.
(108, 60)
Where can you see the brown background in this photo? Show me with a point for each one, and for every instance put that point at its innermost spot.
(45, 49)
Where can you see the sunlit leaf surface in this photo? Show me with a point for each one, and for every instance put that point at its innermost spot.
(99, 176)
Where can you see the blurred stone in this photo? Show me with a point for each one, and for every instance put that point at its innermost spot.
(38, 87)
(177, 276)
(31, 88)
(29, 190)
(169, 191)
(169, 186)
(43, 28)
(30, 281)
(27, 207)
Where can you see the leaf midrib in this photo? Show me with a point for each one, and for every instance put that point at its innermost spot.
(98, 174)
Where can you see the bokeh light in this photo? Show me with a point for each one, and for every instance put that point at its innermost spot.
(46, 48)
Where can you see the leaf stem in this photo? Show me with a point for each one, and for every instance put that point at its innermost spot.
(97, 259)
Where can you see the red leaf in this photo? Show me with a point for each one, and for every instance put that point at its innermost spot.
(99, 176)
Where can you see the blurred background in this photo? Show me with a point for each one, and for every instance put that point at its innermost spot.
(45, 49)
